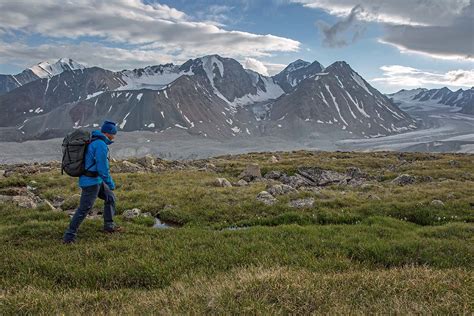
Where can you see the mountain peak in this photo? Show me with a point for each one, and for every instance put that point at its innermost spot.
(45, 69)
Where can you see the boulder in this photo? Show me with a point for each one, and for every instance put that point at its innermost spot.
(437, 203)
(355, 173)
(404, 179)
(274, 175)
(210, 167)
(147, 162)
(266, 198)
(130, 167)
(250, 173)
(241, 183)
(302, 203)
(280, 189)
(24, 201)
(273, 159)
(131, 214)
(297, 181)
(321, 177)
(2, 174)
(222, 182)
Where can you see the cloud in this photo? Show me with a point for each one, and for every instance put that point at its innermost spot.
(454, 41)
(436, 28)
(406, 12)
(402, 76)
(334, 35)
(150, 29)
(255, 65)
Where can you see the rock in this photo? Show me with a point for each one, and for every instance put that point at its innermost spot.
(222, 182)
(126, 167)
(266, 198)
(2, 174)
(251, 172)
(24, 201)
(425, 179)
(404, 179)
(147, 162)
(49, 205)
(280, 189)
(451, 196)
(296, 181)
(273, 159)
(58, 201)
(437, 203)
(210, 167)
(131, 214)
(355, 173)
(321, 177)
(454, 163)
(301, 203)
(274, 175)
(241, 183)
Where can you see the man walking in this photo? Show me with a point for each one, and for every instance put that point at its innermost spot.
(97, 182)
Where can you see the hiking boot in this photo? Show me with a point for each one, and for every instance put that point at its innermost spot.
(116, 229)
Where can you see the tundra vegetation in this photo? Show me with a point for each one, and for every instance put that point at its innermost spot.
(335, 232)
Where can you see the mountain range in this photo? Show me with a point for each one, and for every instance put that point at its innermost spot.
(462, 99)
(211, 96)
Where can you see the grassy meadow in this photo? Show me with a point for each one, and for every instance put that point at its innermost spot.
(373, 248)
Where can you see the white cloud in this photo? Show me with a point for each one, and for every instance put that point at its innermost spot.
(406, 12)
(436, 28)
(149, 30)
(255, 65)
(403, 77)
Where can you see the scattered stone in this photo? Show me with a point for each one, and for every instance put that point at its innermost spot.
(297, 181)
(354, 172)
(130, 167)
(302, 203)
(241, 183)
(274, 175)
(24, 201)
(147, 162)
(280, 189)
(451, 196)
(251, 173)
(49, 205)
(454, 163)
(404, 179)
(425, 179)
(210, 167)
(131, 214)
(437, 203)
(2, 174)
(321, 177)
(222, 182)
(266, 198)
(273, 159)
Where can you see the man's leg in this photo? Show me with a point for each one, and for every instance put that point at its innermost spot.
(88, 197)
(109, 206)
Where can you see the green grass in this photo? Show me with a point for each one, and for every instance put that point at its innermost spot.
(347, 254)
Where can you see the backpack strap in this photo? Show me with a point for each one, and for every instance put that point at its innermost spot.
(87, 172)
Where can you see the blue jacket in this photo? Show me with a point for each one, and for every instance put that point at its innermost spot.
(96, 160)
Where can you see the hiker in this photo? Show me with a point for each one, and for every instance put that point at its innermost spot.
(96, 182)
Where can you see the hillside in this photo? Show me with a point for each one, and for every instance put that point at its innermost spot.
(335, 233)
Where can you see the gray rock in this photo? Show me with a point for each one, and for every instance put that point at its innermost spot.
(404, 179)
(266, 198)
(302, 203)
(222, 182)
(131, 214)
(354, 172)
(24, 201)
(454, 163)
(274, 175)
(273, 159)
(251, 172)
(49, 205)
(280, 189)
(2, 174)
(297, 181)
(241, 183)
(437, 203)
(147, 162)
(321, 177)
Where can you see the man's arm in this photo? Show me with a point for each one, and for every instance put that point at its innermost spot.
(102, 163)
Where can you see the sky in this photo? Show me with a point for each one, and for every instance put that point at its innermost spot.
(392, 44)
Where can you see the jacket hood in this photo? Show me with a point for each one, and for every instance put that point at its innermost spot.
(97, 134)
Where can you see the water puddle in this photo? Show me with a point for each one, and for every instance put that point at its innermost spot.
(159, 224)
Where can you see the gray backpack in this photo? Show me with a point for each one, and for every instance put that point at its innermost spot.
(74, 149)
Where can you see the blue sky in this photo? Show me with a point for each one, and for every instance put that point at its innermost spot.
(391, 44)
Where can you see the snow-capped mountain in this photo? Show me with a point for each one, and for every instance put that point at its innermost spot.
(296, 72)
(38, 71)
(460, 98)
(339, 96)
(48, 70)
(210, 96)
